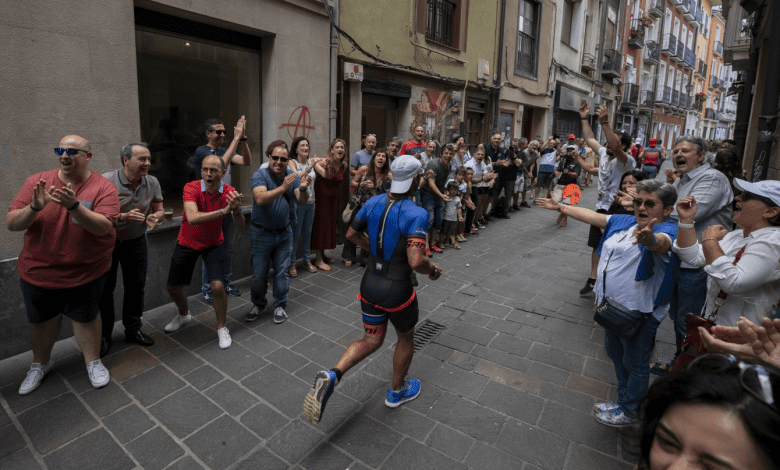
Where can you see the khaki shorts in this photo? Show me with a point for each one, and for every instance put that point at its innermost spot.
(558, 192)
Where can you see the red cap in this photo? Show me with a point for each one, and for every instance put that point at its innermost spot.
(653, 142)
(571, 136)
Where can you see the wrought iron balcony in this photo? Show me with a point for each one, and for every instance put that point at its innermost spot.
(691, 13)
(652, 52)
(655, 8)
(679, 53)
(666, 98)
(683, 6)
(714, 82)
(709, 113)
(630, 96)
(718, 49)
(722, 83)
(636, 35)
(440, 26)
(701, 70)
(612, 63)
(675, 98)
(588, 62)
(690, 59)
(697, 19)
(647, 99)
(669, 44)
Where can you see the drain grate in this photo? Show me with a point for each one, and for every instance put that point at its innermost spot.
(425, 333)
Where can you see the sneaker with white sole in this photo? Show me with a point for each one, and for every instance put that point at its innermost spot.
(177, 322)
(606, 406)
(314, 403)
(279, 315)
(409, 391)
(615, 418)
(34, 377)
(224, 337)
(98, 374)
(253, 314)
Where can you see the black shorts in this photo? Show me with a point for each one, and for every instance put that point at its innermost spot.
(377, 290)
(545, 179)
(80, 304)
(449, 227)
(183, 264)
(594, 237)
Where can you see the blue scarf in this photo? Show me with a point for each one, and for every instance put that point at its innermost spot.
(619, 223)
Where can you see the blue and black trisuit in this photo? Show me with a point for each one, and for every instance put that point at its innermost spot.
(386, 292)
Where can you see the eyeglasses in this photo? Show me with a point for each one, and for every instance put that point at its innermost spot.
(282, 159)
(649, 204)
(746, 196)
(762, 383)
(219, 131)
(70, 152)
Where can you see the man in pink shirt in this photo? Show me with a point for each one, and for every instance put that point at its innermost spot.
(68, 215)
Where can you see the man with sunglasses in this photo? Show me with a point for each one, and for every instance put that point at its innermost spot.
(237, 153)
(363, 156)
(68, 215)
(275, 190)
(206, 203)
(141, 207)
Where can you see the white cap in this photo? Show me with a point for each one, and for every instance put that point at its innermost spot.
(769, 189)
(571, 147)
(403, 169)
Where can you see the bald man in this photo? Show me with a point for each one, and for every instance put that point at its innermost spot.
(68, 215)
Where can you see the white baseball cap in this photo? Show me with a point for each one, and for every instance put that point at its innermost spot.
(403, 169)
(571, 147)
(769, 189)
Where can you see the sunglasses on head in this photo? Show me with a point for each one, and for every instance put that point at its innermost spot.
(746, 196)
(70, 152)
(761, 382)
(219, 131)
(649, 204)
(277, 158)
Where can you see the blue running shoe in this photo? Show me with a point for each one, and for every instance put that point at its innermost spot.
(232, 290)
(409, 392)
(208, 297)
(317, 398)
(606, 406)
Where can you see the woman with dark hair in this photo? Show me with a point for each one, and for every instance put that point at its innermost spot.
(326, 191)
(627, 185)
(722, 413)
(300, 162)
(370, 180)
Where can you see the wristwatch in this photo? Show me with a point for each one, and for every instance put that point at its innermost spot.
(435, 272)
(74, 206)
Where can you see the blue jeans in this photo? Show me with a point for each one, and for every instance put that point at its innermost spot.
(690, 293)
(650, 170)
(631, 359)
(435, 207)
(132, 255)
(266, 248)
(302, 231)
(229, 232)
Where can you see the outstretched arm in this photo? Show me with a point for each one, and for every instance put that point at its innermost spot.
(590, 139)
(580, 213)
(613, 141)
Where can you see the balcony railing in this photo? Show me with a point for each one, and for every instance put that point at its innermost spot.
(683, 6)
(714, 82)
(722, 83)
(679, 54)
(666, 98)
(655, 8)
(669, 45)
(690, 59)
(675, 98)
(718, 49)
(647, 99)
(709, 113)
(612, 63)
(526, 54)
(588, 62)
(652, 52)
(441, 22)
(630, 96)
(701, 70)
(636, 35)
(697, 19)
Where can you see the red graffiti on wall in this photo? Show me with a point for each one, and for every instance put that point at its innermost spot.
(302, 125)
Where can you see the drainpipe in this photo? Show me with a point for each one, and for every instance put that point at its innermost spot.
(334, 56)
(767, 122)
(499, 65)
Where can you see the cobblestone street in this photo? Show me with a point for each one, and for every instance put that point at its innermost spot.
(507, 384)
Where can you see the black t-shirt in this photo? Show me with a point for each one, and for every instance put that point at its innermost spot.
(440, 174)
(565, 166)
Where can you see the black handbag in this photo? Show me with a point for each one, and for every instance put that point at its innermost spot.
(616, 318)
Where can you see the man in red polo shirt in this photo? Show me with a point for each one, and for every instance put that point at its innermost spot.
(206, 203)
(68, 215)
(417, 144)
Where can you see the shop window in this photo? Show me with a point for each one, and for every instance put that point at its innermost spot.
(183, 80)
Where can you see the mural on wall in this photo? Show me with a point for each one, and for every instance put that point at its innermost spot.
(437, 111)
(299, 123)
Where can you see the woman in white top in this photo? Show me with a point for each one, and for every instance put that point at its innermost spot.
(300, 161)
(742, 266)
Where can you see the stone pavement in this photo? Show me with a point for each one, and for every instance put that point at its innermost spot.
(508, 384)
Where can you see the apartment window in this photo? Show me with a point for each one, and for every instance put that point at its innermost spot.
(527, 33)
(189, 72)
(443, 22)
(568, 20)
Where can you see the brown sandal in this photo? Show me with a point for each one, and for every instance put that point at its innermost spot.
(293, 271)
(310, 267)
(324, 267)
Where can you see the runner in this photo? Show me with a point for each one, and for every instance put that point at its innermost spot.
(393, 229)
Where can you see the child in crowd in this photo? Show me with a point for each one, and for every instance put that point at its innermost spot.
(471, 206)
(452, 215)
(464, 193)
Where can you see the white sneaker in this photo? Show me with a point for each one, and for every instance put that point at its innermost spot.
(98, 374)
(177, 322)
(224, 338)
(34, 377)
(279, 315)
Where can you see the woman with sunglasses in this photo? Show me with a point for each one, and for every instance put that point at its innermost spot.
(743, 273)
(720, 414)
(634, 252)
(326, 190)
